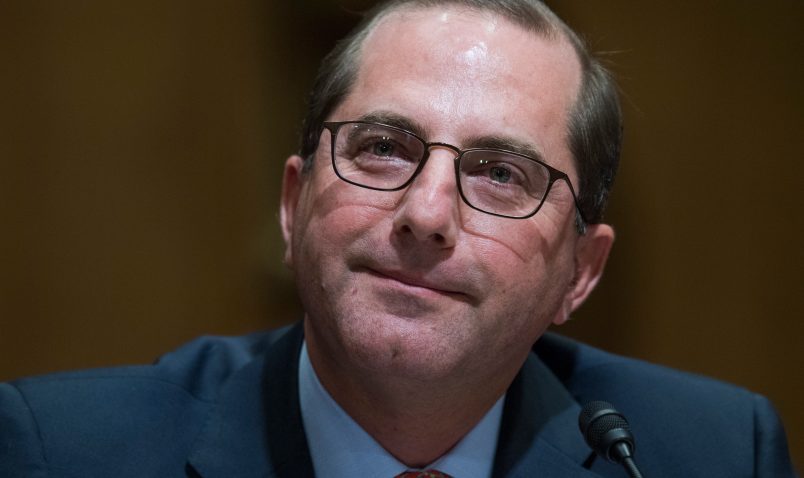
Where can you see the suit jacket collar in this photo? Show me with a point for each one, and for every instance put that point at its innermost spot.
(539, 434)
(256, 429)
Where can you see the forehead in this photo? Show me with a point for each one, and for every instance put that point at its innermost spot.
(462, 73)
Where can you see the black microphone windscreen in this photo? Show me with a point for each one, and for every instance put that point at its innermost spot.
(602, 426)
(607, 432)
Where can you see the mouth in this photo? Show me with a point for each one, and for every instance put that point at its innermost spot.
(416, 285)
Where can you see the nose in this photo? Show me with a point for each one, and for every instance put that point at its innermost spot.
(429, 209)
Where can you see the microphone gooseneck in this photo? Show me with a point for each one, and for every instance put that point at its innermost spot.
(607, 432)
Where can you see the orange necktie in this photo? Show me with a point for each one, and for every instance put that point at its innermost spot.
(423, 474)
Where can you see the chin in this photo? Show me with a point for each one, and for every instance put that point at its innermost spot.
(403, 346)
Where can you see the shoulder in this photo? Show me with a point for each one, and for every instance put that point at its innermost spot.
(147, 414)
(585, 369)
(194, 371)
(674, 413)
(644, 391)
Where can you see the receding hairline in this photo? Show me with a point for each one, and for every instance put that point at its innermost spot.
(552, 27)
(552, 30)
(554, 37)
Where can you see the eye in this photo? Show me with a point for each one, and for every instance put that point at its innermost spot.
(374, 144)
(500, 174)
(383, 147)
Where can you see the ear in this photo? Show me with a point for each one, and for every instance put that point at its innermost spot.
(591, 252)
(291, 192)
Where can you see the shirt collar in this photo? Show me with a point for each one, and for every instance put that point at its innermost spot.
(341, 447)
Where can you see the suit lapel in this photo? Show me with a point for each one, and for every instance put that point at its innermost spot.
(256, 428)
(539, 434)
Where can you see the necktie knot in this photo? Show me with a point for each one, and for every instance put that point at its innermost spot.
(423, 474)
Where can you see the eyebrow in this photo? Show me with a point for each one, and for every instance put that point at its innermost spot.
(506, 143)
(394, 119)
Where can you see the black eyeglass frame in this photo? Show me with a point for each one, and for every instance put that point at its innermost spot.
(555, 174)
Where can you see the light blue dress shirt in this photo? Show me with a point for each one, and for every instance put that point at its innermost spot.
(340, 448)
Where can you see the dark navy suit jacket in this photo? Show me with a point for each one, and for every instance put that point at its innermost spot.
(228, 407)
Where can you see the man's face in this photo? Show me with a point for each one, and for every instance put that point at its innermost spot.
(414, 284)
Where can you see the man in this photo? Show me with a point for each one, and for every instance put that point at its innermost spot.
(444, 210)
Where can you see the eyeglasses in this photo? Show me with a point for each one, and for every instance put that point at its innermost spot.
(497, 182)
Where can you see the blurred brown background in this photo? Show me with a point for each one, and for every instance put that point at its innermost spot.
(141, 145)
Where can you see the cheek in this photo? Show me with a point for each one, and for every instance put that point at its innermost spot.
(531, 261)
(334, 215)
(527, 240)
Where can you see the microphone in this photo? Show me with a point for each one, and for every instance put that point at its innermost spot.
(607, 432)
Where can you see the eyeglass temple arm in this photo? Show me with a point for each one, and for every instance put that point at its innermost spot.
(580, 222)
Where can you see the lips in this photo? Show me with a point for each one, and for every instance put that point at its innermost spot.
(421, 284)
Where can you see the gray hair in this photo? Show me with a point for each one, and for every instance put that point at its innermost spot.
(595, 124)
